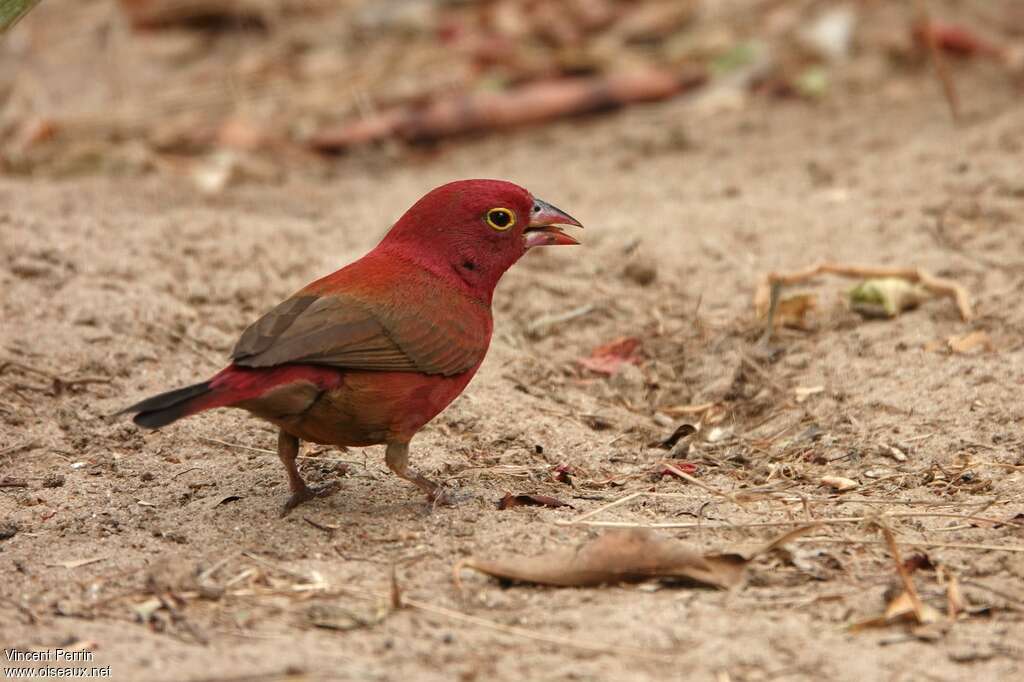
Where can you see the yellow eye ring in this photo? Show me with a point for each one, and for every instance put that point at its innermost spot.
(501, 219)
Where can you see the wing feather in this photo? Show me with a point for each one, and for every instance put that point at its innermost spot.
(343, 331)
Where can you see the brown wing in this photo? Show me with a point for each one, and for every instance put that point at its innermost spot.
(343, 332)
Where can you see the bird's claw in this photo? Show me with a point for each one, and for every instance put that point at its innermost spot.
(309, 493)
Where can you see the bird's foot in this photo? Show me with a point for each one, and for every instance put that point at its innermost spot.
(308, 493)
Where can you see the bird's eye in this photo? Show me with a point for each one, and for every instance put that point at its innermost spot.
(501, 218)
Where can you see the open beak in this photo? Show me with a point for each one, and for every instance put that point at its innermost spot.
(543, 229)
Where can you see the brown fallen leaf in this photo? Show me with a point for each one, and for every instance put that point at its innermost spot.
(907, 606)
(903, 608)
(672, 467)
(563, 473)
(918, 562)
(616, 556)
(968, 343)
(527, 500)
(839, 483)
(683, 431)
(610, 357)
(793, 311)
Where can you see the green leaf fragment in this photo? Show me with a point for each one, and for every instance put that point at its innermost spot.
(886, 296)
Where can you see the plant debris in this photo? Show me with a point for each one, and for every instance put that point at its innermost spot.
(613, 557)
(879, 297)
(510, 501)
(970, 342)
(886, 297)
(839, 483)
(681, 432)
(609, 358)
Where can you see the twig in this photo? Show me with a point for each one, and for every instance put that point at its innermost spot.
(321, 526)
(936, 285)
(583, 519)
(388, 597)
(682, 474)
(542, 323)
(238, 446)
(396, 591)
(775, 293)
(684, 410)
(912, 543)
(828, 521)
(910, 502)
(619, 502)
(908, 583)
(18, 446)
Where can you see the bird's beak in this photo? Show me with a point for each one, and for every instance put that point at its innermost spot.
(543, 229)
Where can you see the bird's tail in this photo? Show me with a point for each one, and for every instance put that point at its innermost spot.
(229, 387)
(161, 410)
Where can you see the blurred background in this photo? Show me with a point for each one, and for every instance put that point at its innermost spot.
(226, 90)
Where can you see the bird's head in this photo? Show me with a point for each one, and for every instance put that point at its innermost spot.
(474, 230)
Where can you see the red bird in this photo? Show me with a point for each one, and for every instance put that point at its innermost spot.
(371, 353)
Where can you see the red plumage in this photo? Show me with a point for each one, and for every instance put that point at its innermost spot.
(371, 353)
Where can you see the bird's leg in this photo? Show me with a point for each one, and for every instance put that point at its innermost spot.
(397, 457)
(288, 451)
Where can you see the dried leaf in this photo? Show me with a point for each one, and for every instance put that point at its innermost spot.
(968, 343)
(918, 562)
(792, 311)
(610, 357)
(333, 617)
(805, 392)
(903, 606)
(678, 465)
(616, 556)
(894, 452)
(900, 610)
(886, 296)
(563, 473)
(526, 500)
(839, 483)
(680, 433)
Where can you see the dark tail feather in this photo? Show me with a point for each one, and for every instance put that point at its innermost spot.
(161, 410)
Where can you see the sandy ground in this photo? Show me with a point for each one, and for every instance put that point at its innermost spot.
(115, 289)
